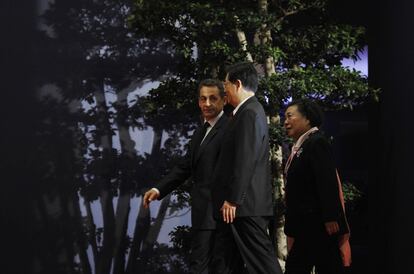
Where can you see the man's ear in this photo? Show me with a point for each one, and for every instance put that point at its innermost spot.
(238, 84)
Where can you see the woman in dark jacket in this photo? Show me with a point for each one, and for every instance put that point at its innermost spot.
(315, 220)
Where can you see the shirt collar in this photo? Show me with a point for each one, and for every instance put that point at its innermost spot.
(213, 121)
(241, 103)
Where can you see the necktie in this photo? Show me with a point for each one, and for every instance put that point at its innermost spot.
(200, 137)
(203, 132)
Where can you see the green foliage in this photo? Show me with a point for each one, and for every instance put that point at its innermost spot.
(171, 259)
(307, 46)
(335, 87)
(163, 262)
(277, 135)
(183, 196)
(180, 237)
(171, 101)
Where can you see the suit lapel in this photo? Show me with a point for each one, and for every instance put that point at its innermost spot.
(213, 132)
(208, 138)
(196, 142)
(299, 153)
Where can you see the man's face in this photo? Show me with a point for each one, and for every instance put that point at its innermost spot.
(210, 102)
(295, 123)
(231, 92)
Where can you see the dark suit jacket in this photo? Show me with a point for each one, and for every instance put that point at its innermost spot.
(199, 167)
(312, 192)
(242, 175)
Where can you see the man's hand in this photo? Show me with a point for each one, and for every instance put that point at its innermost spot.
(229, 212)
(331, 227)
(149, 196)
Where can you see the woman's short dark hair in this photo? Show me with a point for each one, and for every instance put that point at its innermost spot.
(309, 109)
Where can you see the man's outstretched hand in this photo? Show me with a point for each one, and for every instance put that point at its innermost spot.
(149, 196)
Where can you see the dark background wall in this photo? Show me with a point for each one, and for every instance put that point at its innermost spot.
(391, 134)
(17, 108)
(388, 147)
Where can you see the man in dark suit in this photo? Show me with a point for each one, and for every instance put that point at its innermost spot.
(242, 190)
(315, 217)
(199, 163)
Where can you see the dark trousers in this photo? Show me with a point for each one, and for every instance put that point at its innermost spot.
(319, 250)
(244, 247)
(202, 243)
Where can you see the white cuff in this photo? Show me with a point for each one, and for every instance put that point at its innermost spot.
(156, 190)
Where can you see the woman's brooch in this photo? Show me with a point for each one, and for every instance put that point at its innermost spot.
(299, 152)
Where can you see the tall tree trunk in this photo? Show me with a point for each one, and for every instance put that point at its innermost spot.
(121, 222)
(144, 234)
(156, 227)
(276, 152)
(127, 143)
(91, 227)
(266, 39)
(278, 235)
(154, 231)
(81, 239)
(104, 124)
(241, 36)
(106, 197)
(156, 145)
(73, 206)
(142, 226)
(125, 189)
(106, 253)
